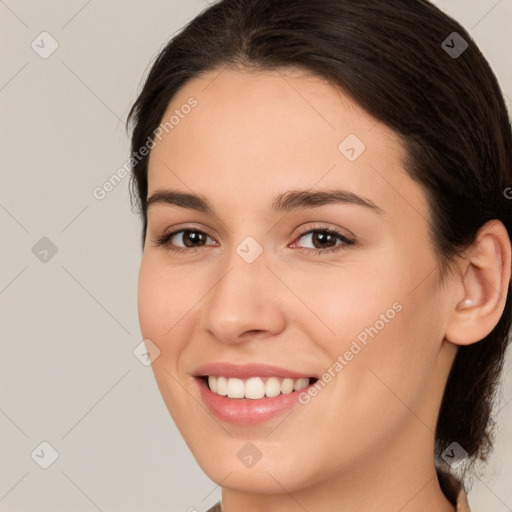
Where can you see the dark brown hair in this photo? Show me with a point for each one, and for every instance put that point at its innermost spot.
(395, 58)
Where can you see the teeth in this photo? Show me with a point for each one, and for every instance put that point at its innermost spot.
(300, 383)
(287, 386)
(255, 388)
(272, 387)
(212, 383)
(222, 386)
(235, 388)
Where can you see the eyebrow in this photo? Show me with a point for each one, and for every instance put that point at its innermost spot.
(283, 203)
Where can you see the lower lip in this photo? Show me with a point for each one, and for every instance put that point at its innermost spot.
(245, 411)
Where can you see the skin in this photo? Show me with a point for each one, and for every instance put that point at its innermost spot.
(365, 442)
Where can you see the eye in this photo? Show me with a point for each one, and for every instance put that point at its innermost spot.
(191, 240)
(324, 240)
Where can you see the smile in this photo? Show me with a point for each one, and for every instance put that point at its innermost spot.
(255, 388)
(249, 394)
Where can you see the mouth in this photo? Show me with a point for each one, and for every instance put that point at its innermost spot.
(255, 388)
(250, 394)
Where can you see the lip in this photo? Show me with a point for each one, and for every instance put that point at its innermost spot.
(245, 411)
(246, 371)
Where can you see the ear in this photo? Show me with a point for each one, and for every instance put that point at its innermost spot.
(480, 294)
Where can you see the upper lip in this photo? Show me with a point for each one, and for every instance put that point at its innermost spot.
(246, 371)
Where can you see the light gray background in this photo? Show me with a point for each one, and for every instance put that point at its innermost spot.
(69, 325)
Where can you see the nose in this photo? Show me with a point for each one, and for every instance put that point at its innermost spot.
(243, 303)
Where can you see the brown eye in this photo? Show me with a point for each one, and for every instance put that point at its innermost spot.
(184, 240)
(192, 238)
(324, 240)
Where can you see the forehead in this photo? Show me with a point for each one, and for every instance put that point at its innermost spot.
(253, 134)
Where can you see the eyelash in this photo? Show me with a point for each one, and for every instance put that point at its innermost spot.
(164, 241)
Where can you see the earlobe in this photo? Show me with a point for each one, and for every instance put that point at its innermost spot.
(484, 286)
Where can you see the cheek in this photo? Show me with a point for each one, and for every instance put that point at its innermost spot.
(413, 343)
(150, 300)
(346, 304)
(161, 306)
(386, 328)
(388, 346)
(164, 297)
(162, 310)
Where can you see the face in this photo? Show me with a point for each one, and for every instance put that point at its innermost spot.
(313, 261)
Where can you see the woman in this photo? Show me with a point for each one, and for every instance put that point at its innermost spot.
(325, 279)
